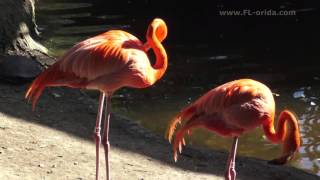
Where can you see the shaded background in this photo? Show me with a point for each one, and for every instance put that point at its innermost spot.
(196, 29)
(192, 23)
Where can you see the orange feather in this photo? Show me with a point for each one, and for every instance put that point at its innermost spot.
(107, 62)
(234, 108)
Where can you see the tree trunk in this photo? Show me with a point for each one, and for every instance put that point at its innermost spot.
(21, 57)
(18, 27)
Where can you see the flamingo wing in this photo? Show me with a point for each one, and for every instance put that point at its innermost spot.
(91, 59)
(229, 110)
(240, 104)
(100, 55)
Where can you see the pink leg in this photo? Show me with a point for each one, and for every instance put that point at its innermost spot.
(106, 143)
(231, 171)
(97, 131)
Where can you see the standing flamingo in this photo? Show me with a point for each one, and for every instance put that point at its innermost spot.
(232, 109)
(106, 63)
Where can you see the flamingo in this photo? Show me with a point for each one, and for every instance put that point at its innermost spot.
(232, 109)
(107, 62)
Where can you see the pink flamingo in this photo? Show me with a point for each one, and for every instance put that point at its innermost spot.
(106, 63)
(232, 109)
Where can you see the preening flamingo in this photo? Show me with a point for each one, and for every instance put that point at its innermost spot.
(232, 109)
(106, 63)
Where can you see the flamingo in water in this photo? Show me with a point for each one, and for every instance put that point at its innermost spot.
(107, 62)
(232, 109)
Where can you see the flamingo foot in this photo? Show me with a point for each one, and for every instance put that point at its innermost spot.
(105, 140)
(97, 132)
(231, 170)
(98, 141)
(106, 146)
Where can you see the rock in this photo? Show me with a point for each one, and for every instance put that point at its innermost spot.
(18, 69)
(49, 171)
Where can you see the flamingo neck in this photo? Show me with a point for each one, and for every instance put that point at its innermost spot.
(161, 62)
(289, 136)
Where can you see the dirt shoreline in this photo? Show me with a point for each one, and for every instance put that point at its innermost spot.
(56, 142)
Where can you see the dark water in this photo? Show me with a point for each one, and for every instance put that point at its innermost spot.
(198, 64)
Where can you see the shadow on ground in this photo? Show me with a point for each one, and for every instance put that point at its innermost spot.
(73, 112)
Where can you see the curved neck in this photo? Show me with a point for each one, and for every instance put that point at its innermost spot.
(288, 135)
(154, 42)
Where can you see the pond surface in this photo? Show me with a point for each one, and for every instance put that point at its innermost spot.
(195, 68)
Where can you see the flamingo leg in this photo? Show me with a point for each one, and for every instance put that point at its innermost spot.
(97, 131)
(231, 171)
(106, 143)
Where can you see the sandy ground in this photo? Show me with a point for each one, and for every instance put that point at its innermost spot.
(56, 142)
